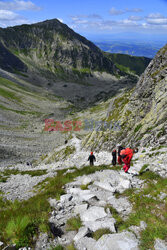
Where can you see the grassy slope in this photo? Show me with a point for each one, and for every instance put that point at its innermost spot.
(23, 109)
(128, 63)
(24, 101)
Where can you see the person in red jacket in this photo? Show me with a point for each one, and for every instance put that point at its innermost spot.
(126, 156)
(91, 158)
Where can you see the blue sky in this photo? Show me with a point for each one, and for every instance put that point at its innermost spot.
(101, 18)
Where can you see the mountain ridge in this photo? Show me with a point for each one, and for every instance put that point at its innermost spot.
(57, 35)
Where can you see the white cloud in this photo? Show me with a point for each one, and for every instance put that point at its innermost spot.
(133, 10)
(18, 5)
(103, 24)
(157, 21)
(95, 16)
(131, 24)
(10, 18)
(127, 21)
(12, 22)
(91, 16)
(74, 18)
(135, 18)
(154, 15)
(115, 12)
(80, 21)
(8, 15)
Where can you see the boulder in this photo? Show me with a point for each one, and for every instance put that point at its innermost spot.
(86, 180)
(120, 241)
(42, 242)
(122, 205)
(81, 195)
(102, 223)
(124, 183)
(162, 196)
(160, 245)
(85, 244)
(137, 230)
(105, 185)
(162, 140)
(83, 231)
(79, 209)
(65, 198)
(93, 213)
(143, 225)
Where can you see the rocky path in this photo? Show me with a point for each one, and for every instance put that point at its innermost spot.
(154, 159)
(92, 205)
(89, 197)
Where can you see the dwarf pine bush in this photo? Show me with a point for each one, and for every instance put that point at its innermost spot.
(16, 227)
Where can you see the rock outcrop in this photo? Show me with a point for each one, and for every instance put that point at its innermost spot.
(141, 113)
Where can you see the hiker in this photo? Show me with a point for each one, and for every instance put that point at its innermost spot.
(114, 157)
(119, 157)
(126, 156)
(91, 159)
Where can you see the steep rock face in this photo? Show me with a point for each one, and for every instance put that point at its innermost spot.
(9, 61)
(53, 45)
(141, 113)
(149, 100)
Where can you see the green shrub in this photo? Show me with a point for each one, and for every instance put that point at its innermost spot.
(59, 247)
(16, 228)
(85, 187)
(100, 232)
(137, 128)
(73, 224)
(70, 247)
(115, 214)
(143, 168)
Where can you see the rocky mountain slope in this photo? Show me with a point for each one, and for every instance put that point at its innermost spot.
(53, 46)
(23, 110)
(141, 112)
(50, 53)
(10, 62)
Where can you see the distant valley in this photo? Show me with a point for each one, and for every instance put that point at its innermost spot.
(134, 48)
